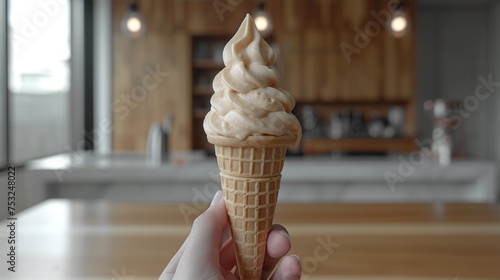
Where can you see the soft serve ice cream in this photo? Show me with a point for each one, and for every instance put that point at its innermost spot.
(247, 101)
(251, 126)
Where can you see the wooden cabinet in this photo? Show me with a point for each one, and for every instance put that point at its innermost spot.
(333, 53)
(340, 50)
(166, 45)
(399, 59)
(359, 60)
(207, 62)
(338, 55)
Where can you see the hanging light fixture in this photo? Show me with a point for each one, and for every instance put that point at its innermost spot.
(263, 20)
(132, 24)
(399, 23)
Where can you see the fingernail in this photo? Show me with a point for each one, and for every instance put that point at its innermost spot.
(217, 198)
(285, 233)
(297, 257)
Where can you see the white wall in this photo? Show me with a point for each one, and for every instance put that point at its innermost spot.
(3, 82)
(427, 74)
(495, 68)
(453, 50)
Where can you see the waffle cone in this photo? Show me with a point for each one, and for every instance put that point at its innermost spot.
(250, 178)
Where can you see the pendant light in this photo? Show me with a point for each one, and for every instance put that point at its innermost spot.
(263, 20)
(132, 24)
(399, 23)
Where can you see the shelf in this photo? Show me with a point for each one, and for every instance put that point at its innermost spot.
(203, 91)
(200, 113)
(339, 103)
(325, 145)
(207, 53)
(207, 64)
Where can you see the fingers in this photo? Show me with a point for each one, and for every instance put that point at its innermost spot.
(289, 269)
(207, 230)
(278, 245)
(227, 255)
(226, 236)
(202, 244)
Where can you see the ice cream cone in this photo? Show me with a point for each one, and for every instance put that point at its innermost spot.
(250, 177)
(246, 105)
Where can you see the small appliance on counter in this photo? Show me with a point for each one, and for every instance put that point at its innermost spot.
(447, 133)
(336, 127)
(347, 124)
(396, 120)
(156, 149)
(358, 124)
(376, 126)
(310, 124)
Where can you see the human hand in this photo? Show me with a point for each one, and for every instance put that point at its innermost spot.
(208, 251)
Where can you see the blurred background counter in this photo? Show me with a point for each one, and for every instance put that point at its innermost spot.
(192, 178)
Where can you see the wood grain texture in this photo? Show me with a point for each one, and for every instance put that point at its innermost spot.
(166, 44)
(162, 48)
(360, 70)
(324, 145)
(313, 67)
(400, 65)
(399, 57)
(61, 239)
(380, 66)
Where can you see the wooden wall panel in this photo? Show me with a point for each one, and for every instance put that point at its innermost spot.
(293, 15)
(354, 12)
(314, 74)
(329, 90)
(161, 48)
(167, 45)
(360, 71)
(328, 73)
(400, 66)
(400, 58)
(291, 74)
(313, 67)
(202, 18)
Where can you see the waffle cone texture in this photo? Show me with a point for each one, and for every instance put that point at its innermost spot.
(250, 178)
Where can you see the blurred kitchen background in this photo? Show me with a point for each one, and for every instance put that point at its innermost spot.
(105, 99)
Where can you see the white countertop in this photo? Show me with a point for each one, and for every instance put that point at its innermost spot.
(126, 167)
(129, 177)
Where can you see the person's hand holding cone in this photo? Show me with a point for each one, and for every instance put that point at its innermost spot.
(251, 125)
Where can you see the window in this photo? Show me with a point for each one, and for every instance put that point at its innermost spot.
(39, 78)
(3, 85)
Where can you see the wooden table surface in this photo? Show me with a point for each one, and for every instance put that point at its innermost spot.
(63, 239)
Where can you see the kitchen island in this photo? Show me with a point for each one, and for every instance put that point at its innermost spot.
(192, 178)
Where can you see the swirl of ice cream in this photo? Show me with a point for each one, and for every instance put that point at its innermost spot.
(246, 101)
